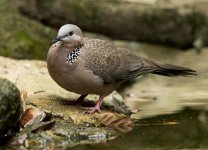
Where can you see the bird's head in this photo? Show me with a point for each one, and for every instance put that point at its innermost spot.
(69, 34)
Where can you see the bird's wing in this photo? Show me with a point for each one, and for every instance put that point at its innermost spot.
(112, 63)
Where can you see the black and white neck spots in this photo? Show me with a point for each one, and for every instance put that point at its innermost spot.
(73, 56)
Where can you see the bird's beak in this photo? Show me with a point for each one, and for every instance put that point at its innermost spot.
(56, 39)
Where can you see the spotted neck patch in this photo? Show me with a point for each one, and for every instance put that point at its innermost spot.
(73, 56)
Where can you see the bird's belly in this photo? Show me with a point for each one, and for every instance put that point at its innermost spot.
(79, 80)
(81, 83)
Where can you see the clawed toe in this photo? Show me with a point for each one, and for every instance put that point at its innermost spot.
(91, 110)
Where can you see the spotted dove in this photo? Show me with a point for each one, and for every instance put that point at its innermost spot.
(92, 66)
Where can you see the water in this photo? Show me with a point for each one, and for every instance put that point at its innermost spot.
(186, 129)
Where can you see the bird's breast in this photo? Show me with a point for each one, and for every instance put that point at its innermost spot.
(74, 77)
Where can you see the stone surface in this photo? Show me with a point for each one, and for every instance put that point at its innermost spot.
(10, 107)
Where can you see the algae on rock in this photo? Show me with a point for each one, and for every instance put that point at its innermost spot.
(10, 106)
(20, 36)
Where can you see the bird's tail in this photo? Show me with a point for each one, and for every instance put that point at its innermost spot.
(172, 70)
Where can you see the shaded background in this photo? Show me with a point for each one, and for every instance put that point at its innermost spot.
(28, 26)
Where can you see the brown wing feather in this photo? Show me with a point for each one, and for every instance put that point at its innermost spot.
(110, 62)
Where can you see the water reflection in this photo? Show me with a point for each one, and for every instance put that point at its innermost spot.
(182, 130)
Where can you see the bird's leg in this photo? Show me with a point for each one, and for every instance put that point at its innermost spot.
(91, 110)
(80, 100)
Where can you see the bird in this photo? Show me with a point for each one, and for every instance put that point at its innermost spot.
(85, 65)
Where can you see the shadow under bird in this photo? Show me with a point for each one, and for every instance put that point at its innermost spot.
(92, 66)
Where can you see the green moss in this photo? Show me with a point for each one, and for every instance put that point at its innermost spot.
(91, 10)
(21, 37)
(10, 106)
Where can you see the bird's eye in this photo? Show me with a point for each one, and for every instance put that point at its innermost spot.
(71, 33)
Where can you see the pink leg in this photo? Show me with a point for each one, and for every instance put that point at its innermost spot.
(91, 110)
(80, 100)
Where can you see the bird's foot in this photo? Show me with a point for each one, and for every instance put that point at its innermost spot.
(91, 110)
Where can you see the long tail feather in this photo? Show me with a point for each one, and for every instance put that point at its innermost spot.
(172, 70)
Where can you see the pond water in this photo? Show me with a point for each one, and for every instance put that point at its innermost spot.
(186, 129)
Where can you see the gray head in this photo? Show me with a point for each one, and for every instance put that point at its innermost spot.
(69, 34)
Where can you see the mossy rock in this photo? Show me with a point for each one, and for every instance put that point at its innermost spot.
(10, 107)
(22, 37)
(177, 26)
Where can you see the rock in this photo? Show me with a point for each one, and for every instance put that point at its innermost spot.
(10, 107)
(22, 37)
(170, 22)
